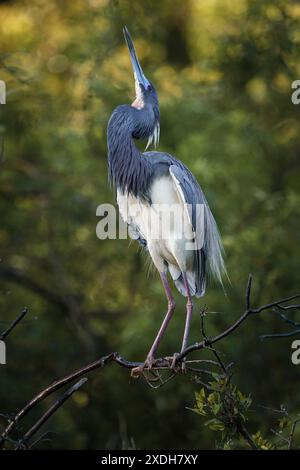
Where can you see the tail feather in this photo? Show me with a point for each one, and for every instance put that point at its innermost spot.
(213, 248)
(208, 260)
(191, 278)
(200, 272)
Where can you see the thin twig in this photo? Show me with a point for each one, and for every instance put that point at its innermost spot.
(244, 432)
(56, 405)
(57, 385)
(216, 354)
(99, 364)
(280, 335)
(220, 362)
(232, 328)
(248, 292)
(291, 436)
(280, 436)
(289, 320)
(289, 307)
(273, 410)
(205, 385)
(41, 438)
(159, 364)
(200, 371)
(13, 324)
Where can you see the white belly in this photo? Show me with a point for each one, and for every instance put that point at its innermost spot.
(164, 225)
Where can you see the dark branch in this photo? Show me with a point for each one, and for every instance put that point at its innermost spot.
(160, 364)
(280, 335)
(288, 320)
(292, 433)
(217, 356)
(289, 307)
(249, 311)
(56, 405)
(248, 292)
(99, 364)
(246, 435)
(13, 324)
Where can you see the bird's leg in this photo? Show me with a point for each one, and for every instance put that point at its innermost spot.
(189, 312)
(171, 307)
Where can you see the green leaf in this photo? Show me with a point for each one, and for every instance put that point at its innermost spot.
(216, 408)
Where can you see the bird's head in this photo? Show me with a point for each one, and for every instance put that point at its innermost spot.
(146, 101)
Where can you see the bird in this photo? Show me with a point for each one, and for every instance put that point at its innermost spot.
(149, 185)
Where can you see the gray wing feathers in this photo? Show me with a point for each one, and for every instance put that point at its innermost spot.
(209, 256)
(210, 250)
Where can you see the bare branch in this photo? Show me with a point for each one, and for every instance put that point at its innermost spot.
(289, 307)
(13, 324)
(246, 435)
(289, 320)
(56, 405)
(217, 356)
(99, 364)
(154, 375)
(286, 320)
(249, 311)
(280, 335)
(291, 436)
(248, 292)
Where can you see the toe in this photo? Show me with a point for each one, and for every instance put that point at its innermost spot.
(149, 362)
(137, 371)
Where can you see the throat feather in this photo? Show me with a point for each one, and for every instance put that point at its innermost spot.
(129, 170)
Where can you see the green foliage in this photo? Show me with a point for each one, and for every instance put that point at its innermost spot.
(262, 444)
(228, 411)
(225, 406)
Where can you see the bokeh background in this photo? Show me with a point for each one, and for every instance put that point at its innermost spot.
(223, 71)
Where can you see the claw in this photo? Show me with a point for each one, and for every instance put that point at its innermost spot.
(177, 367)
(136, 372)
(173, 363)
(183, 367)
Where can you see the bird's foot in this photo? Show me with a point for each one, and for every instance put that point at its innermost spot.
(178, 367)
(136, 372)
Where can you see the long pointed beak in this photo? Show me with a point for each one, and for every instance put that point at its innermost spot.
(137, 69)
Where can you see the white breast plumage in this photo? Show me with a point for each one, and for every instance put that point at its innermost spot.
(164, 224)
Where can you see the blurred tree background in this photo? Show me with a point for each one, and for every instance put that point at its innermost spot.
(223, 71)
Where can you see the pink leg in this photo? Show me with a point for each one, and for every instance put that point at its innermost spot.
(171, 308)
(189, 311)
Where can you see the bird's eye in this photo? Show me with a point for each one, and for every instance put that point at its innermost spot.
(149, 87)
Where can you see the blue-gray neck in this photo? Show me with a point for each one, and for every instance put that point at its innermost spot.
(129, 170)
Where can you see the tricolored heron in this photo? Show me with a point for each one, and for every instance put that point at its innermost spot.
(145, 181)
